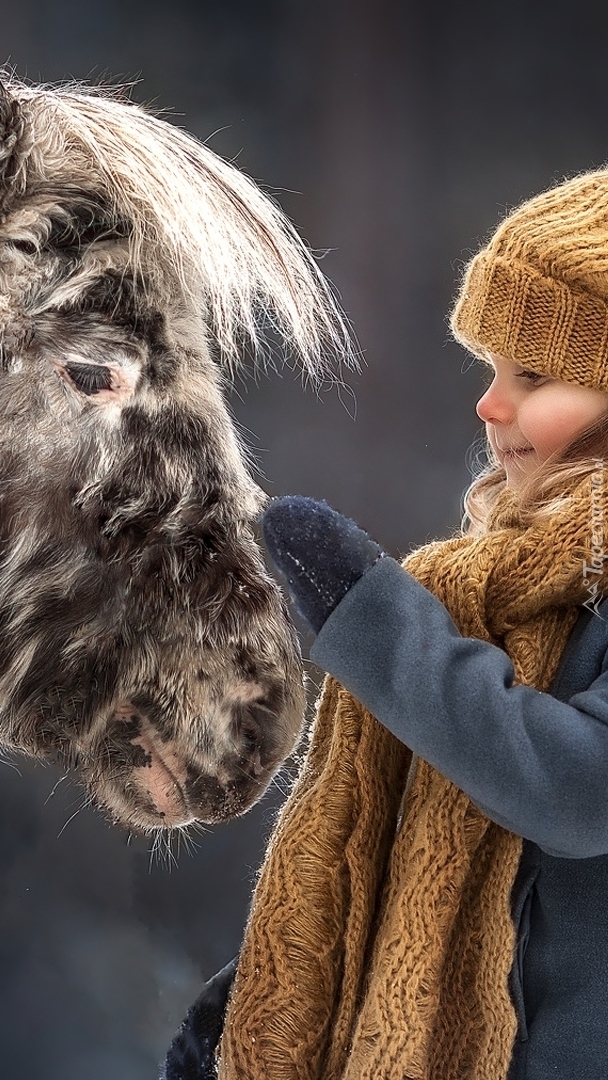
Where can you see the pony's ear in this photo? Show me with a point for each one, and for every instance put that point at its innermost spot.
(11, 140)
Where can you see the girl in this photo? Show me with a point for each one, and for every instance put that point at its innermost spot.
(434, 902)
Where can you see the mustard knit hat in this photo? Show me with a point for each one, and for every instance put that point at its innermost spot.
(537, 294)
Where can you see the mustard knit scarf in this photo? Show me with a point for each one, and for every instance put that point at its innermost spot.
(382, 952)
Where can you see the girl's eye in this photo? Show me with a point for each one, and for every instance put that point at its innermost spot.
(533, 376)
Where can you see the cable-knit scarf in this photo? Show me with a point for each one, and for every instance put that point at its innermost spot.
(380, 941)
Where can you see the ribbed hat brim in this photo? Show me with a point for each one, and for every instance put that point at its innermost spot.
(542, 323)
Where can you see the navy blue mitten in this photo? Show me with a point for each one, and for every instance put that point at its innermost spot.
(191, 1055)
(320, 552)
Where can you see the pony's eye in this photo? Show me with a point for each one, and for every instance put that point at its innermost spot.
(89, 378)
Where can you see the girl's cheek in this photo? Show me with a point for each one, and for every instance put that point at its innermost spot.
(556, 430)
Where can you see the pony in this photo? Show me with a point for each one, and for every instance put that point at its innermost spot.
(143, 643)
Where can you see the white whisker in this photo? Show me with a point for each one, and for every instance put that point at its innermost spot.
(71, 818)
(54, 789)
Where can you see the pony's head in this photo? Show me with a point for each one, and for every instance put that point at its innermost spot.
(141, 639)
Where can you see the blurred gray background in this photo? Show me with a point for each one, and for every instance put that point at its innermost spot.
(395, 133)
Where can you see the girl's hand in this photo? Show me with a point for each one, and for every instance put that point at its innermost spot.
(319, 552)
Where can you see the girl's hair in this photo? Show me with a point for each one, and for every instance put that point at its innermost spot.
(545, 490)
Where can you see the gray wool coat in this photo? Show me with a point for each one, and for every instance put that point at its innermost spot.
(534, 762)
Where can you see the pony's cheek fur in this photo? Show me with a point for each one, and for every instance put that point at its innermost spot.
(142, 639)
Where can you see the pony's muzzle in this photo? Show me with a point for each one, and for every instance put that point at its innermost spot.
(154, 781)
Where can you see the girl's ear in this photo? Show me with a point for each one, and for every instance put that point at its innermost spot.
(12, 125)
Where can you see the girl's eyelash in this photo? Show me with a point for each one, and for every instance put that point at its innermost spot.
(533, 376)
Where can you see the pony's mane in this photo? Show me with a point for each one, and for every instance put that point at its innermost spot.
(196, 222)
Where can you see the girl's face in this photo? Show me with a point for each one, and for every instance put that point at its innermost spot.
(529, 416)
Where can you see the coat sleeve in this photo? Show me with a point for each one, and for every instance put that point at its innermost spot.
(535, 765)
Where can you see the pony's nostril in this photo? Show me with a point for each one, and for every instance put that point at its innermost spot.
(255, 762)
(248, 726)
(250, 737)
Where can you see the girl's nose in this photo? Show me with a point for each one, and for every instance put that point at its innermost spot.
(495, 406)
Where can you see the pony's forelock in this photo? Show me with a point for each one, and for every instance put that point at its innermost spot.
(196, 222)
